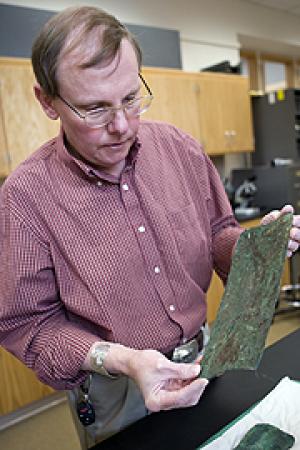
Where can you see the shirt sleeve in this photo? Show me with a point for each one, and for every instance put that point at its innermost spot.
(225, 228)
(34, 326)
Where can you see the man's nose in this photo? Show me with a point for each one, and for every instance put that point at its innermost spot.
(119, 122)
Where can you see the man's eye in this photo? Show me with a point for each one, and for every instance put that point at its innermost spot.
(130, 99)
(96, 111)
(93, 108)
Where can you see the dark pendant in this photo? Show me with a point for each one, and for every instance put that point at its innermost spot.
(86, 412)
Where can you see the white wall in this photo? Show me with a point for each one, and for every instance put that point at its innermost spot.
(209, 29)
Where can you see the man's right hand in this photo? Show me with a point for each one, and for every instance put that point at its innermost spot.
(165, 384)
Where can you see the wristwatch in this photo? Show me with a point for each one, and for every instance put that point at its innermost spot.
(97, 358)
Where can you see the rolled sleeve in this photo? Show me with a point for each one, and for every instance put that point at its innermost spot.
(224, 242)
(34, 325)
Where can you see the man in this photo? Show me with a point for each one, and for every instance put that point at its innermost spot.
(110, 232)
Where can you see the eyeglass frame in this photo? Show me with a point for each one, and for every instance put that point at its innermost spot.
(108, 108)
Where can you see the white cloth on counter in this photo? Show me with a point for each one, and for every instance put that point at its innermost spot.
(281, 408)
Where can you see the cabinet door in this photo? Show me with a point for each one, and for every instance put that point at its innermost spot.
(237, 122)
(176, 99)
(225, 113)
(211, 111)
(26, 126)
(19, 385)
(4, 153)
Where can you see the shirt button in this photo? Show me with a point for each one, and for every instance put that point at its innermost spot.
(156, 269)
(172, 308)
(99, 183)
(142, 229)
(184, 340)
(125, 187)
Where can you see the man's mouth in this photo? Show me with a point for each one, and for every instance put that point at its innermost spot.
(115, 144)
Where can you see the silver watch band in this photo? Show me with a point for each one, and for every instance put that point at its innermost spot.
(97, 358)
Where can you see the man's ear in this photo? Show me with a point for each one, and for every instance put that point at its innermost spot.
(46, 102)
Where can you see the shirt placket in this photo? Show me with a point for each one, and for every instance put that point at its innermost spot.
(148, 246)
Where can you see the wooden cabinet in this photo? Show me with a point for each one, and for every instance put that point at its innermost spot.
(176, 99)
(23, 124)
(23, 128)
(213, 108)
(216, 288)
(225, 114)
(4, 155)
(19, 385)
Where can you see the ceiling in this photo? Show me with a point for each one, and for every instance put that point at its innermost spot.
(269, 46)
(288, 6)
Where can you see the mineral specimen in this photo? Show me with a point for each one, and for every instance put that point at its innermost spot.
(264, 436)
(239, 332)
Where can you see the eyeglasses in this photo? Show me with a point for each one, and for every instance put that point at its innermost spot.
(102, 116)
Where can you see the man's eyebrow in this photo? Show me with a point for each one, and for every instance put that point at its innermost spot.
(103, 103)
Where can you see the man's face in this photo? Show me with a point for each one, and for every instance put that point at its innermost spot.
(94, 87)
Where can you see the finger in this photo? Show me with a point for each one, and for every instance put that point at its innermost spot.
(296, 221)
(295, 234)
(273, 215)
(182, 371)
(287, 209)
(293, 246)
(188, 395)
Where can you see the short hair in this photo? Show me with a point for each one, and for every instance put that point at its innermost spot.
(55, 34)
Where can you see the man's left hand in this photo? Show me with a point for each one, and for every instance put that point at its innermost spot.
(294, 241)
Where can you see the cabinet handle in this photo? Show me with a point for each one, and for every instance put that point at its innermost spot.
(196, 89)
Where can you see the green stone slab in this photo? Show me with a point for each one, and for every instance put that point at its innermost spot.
(264, 436)
(239, 332)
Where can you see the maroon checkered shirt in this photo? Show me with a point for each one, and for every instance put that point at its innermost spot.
(85, 256)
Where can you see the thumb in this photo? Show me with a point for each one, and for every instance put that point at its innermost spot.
(268, 218)
(287, 209)
(273, 215)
